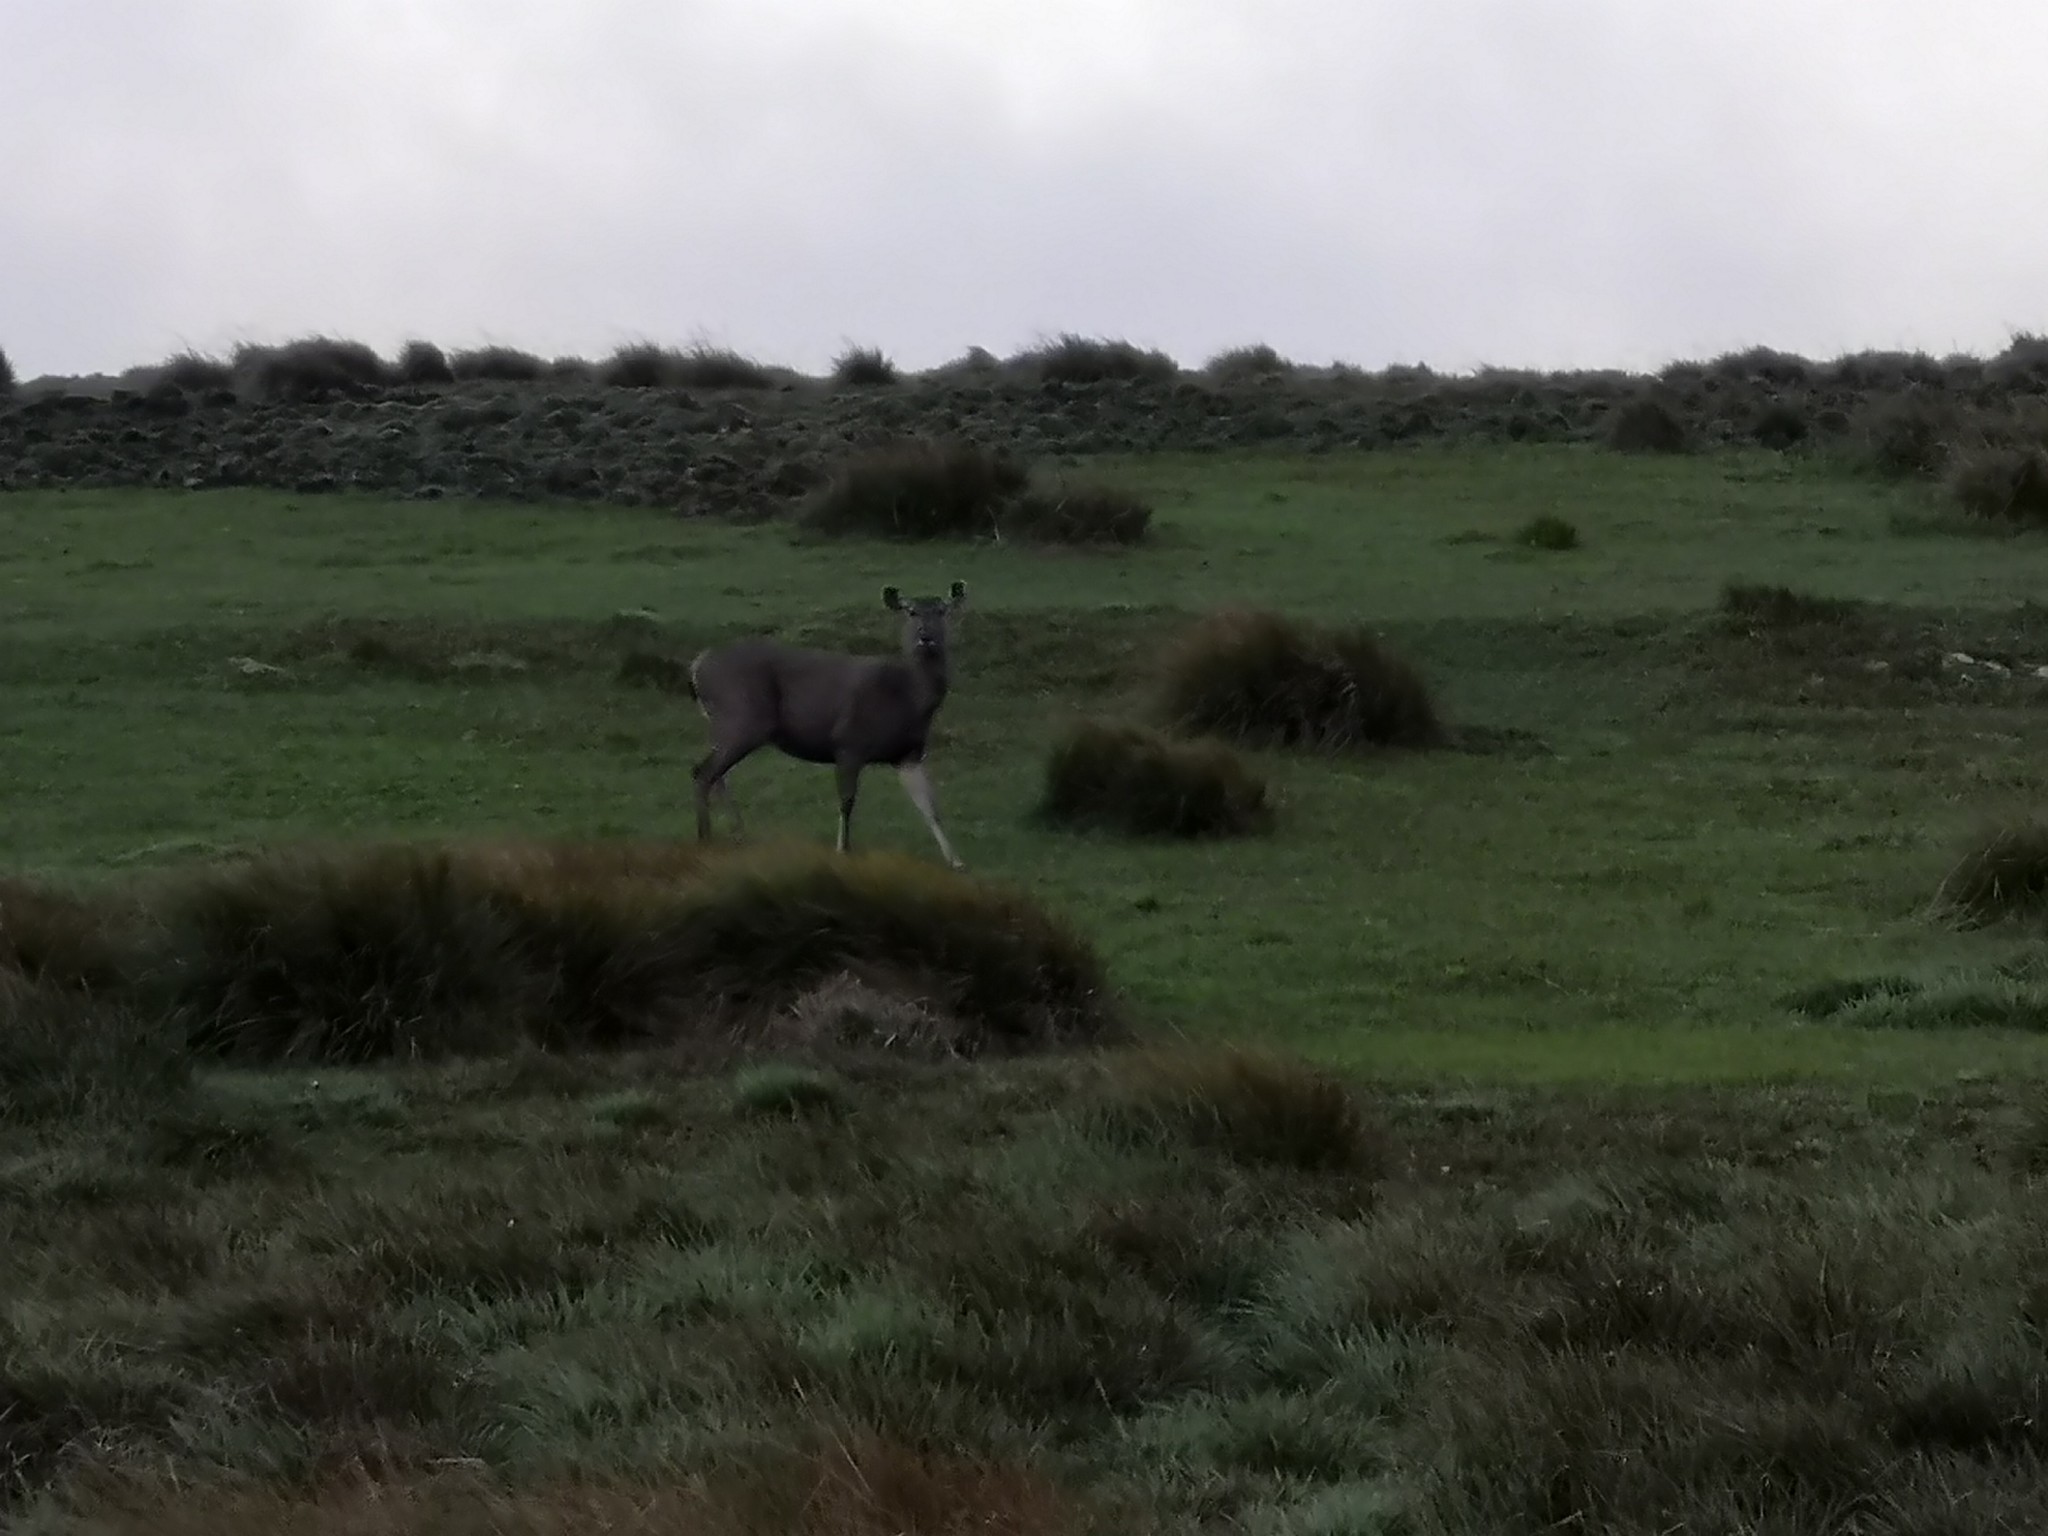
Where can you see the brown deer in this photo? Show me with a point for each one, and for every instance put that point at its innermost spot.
(826, 707)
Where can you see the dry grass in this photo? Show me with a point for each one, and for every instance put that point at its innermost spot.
(2003, 873)
(1056, 512)
(917, 490)
(1254, 1108)
(424, 951)
(195, 371)
(1130, 779)
(1261, 680)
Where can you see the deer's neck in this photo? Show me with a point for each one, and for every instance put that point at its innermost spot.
(932, 676)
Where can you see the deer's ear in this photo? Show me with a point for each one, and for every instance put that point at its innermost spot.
(892, 599)
(959, 594)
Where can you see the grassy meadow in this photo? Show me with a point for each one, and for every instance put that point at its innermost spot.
(1485, 1162)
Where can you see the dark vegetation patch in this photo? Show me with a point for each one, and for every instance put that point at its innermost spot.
(1167, 1291)
(2009, 995)
(1548, 531)
(311, 370)
(196, 371)
(1247, 365)
(2006, 486)
(1074, 359)
(864, 366)
(1905, 436)
(1261, 680)
(7, 379)
(2003, 873)
(932, 490)
(1131, 779)
(424, 951)
(1646, 424)
(421, 362)
(497, 365)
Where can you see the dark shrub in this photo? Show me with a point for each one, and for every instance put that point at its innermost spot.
(863, 365)
(1548, 531)
(1764, 365)
(196, 372)
(641, 365)
(1778, 427)
(1127, 778)
(68, 1055)
(421, 362)
(917, 490)
(2002, 485)
(1256, 1109)
(1072, 359)
(312, 369)
(2002, 873)
(7, 380)
(1774, 607)
(499, 365)
(1262, 680)
(1904, 436)
(49, 935)
(708, 367)
(2022, 365)
(1883, 371)
(425, 951)
(1646, 424)
(1079, 514)
(1242, 365)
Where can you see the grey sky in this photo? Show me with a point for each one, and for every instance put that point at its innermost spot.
(1518, 182)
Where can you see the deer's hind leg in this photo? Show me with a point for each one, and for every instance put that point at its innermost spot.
(709, 776)
(918, 785)
(847, 770)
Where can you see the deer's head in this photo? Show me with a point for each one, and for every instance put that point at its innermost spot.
(925, 619)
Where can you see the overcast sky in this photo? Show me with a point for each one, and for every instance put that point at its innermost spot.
(1457, 182)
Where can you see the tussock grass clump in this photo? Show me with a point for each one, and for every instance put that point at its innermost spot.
(1766, 606)
(195, 371)
(48, 935)
(311, 369)
(68, 1055)
(1247, 365)
(1060, 513)
(1261, 680)
(1128, 778)
(707, 367)
(1904, 436)
(2003, 873)
(427, 951)
(497, 365)
(864, 365)
(421, 362)
(7, 380)
(917, 490)
(786, 1088)
(642, 365)
(2002, 485)
(1255, 1108)
(1073, 359)
(1778, 427)
(1548, 531)
(1645, 424)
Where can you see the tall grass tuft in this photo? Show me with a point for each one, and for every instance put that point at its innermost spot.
(917, 490)
(1058, 513)
(864, 366)
(1131, 779)
(496, 365)
(1261, 680)
(428, 951)
(421, 362)
(311, 369)
(1247, 365)
(1645, 424)
(2002, 873)
(1074, 359)
(7, 379)
(195, 371)
(1256, 1108)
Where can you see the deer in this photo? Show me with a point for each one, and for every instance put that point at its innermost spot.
(830, 708)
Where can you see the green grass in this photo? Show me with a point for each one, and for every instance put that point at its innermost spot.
(1690, 847)
(1570, 1219)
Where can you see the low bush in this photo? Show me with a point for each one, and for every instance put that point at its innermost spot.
(1904, 436)
(1763, 365)
(496, 365)
(1247, 365)
(2002, 485)
(7, 380)
(2002, 873)
(917, 490)
(1257, 1109)
(421, 362)
(196, 372)
(1645, 424)
(863, 366)
(1127, 778)
(1072, 359)
(1261, 680)
(427, 951)
(1778, 427)
(1548, 531)
(1059, 513)
(641, 365)
(1763, 606)
(708, 367)
(311, 369)
(53, 936)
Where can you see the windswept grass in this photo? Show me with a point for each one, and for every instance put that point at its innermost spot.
(2002, 873)
(1263, 680)
(1131, 779)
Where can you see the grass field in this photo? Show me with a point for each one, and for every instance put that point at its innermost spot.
(1589, 1230)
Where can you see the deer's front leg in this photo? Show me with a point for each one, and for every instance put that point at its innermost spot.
(918, 785)
(848, 771)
